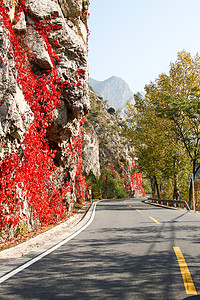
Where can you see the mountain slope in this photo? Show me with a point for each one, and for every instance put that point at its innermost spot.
(114, 158)
(115, 90)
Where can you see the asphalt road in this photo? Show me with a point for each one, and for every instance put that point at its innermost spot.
(127, 252)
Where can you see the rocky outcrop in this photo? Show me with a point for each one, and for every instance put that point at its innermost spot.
(15, 113)
(90, 150)
(71, 49)
(115, 151)
(43, 98)
(108, 126)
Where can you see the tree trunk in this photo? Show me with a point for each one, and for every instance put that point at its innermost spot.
(194, 171)
(190, 194)
(152, 187)
(157, 188)
(176, 188)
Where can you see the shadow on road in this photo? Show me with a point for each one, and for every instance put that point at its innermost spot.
(123, 261)
(192, 297)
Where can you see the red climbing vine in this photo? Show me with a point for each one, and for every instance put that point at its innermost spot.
(131, 177)
(28, 179)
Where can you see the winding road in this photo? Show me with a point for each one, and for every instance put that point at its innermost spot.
(129, 250)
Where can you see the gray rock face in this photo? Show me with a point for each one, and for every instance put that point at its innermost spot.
(91, 152)
(71, 50)
(20, 26)
(45, 27)
(15, 113)
(37, 46)
(41, 9)
(108, 128)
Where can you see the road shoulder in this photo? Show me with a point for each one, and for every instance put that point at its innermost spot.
(12, 258)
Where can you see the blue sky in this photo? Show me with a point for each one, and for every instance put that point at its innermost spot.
(137, 39)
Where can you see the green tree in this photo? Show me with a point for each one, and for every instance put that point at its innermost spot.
(176, 99)
(159, 154)
(107, 186)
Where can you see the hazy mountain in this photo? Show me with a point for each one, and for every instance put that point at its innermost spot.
(115, 90)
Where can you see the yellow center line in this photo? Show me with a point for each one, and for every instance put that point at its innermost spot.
(131, 206)
(187, 278)
(154, 220)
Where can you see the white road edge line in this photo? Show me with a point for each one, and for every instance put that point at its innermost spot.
(31, 262)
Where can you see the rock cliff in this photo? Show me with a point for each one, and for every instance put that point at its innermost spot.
(43, 99)
(116, 156)
(47, 147)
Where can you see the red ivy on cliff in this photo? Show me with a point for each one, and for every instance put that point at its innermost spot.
(30, 178)
(133, 181)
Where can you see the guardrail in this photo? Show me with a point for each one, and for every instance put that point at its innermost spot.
(167, 201)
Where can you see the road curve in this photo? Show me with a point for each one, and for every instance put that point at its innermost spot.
(131, 250)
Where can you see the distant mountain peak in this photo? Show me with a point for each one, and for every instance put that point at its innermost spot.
(114, 78)
(115, 90)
